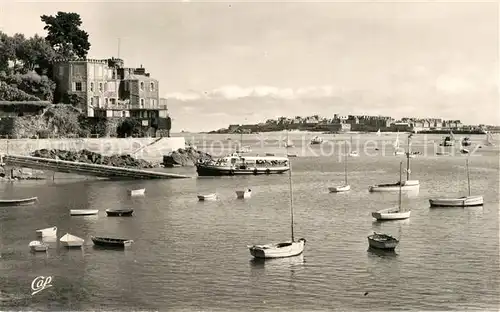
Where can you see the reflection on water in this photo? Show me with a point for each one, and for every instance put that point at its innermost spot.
(278, 263)
(381, 252)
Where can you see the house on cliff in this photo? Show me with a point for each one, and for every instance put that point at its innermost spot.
(108, 89)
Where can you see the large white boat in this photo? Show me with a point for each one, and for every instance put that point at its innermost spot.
(407, 185)
(463, 201)
(236, 164)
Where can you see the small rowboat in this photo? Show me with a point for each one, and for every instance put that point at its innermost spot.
(244, 194)
(51, 231)
(37, 246)
(69, 241)
(119, 212)
(18, 202)
(111, 242)
(83, 212)
(138, 192)
(212, 196)
(382, 241)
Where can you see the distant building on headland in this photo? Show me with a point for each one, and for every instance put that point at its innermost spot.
(106, 88)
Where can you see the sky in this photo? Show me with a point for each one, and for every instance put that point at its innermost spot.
(222, 63)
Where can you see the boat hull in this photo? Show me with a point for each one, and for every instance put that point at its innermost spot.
(386, 245)
(83, 212)
(120, 212)
(36, 246)
(18, 202)
(290, 249)
(207, 197)
(391, 214)
(243, 194)
(467, 201)
(52, 231)
(408, 185)
(111, 242)
(139, 192)
(71, 241)
(339, 189)
(208, 170)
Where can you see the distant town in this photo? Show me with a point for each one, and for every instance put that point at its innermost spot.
(360, 123)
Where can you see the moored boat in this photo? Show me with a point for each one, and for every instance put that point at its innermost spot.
(382, 241)
(212, 196)
(111, 242)
(18, 202)
(51, 231)
(236, 164)
(316, 140)
(345, 187)
(83, 212)
(463, 201)
(408, 185)
(137, 192)
(244, 194)
(70, 241)
(126, 212)
(280, 250)
(37, 246)
(393, 213)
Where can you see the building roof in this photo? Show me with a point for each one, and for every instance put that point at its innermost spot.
(139, 77)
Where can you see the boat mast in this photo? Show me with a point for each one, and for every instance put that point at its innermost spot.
(408, 160)
(345, 165)
(400, 173)
(291, 193)
(468, 178)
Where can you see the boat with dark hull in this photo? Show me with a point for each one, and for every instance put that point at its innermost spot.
(119, 212)
(109, 242)
(236, 164)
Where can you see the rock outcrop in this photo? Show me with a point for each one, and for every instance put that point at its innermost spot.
(185, 157)
(89, 157)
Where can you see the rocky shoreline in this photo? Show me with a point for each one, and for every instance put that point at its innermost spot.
(86, 156)
(185, 157)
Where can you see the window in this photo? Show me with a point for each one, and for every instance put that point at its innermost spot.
(142, 85)
(78, 86)
(106, 101)
(112, 101)
(152, 85)
(105, 86)
(123, 113)
(125, 85)
(142, 103)
(100, 86)
(91, 101)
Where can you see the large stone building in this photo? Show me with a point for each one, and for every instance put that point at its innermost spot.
(105, 88)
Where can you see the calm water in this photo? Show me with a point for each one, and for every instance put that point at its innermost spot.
(191, 255)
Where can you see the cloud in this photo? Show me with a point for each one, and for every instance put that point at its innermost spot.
(233, 92)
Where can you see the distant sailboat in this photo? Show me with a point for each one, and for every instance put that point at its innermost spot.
(489, 140)
(397, 150)
(378, 133)
(353, 153)
(346, 187)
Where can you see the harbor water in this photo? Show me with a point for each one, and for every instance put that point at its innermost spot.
(191, 255)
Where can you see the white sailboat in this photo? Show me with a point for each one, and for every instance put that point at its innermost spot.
(395, 213)
(346, 187)
(378, 132)
(280, 250)
(138, 192)
(408, 185)
(463, 201)
(397, 150)
(353, 153)
(489, 140)
(51, 231)
(69, 241)
(288, 142)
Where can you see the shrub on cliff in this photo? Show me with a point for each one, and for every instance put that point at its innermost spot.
(31, 83)
(130, 127)
(10, 93)
(63, 120)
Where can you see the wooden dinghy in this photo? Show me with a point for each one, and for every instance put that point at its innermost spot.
(119, 212)
(111, 242)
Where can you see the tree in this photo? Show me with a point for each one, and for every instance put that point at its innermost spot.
(65, 35)
(36, 54)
